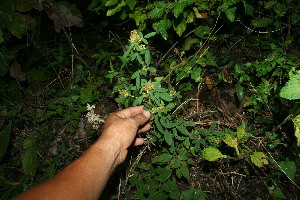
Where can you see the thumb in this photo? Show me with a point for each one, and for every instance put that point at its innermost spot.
(142, 118)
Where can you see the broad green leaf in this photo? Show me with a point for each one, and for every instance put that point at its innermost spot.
(4, 140)
(259, 159)
(291, 90)
(248, 8)
(165, 96)
(202, 31)
(168, 138)
(185, 172)
(180, 5)
(289, 168)
(180, 28)
(159, 9)
(194, 194)
(230, 13)
(240, 132)
(131, 4)
(163, 174)
(172, 188)
(162, 26)
(189, 42)
(17, 27)
(296, 122)
(162, 159)
(147, 57)
(232, 142)
(29, 157)
(263, 22)
(212, 154)
(183, 130)
(111, 2)
(138, 101)
(278, 193)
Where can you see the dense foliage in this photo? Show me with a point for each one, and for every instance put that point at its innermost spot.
(220, 77)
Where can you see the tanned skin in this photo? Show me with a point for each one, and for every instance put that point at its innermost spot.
(86, 177)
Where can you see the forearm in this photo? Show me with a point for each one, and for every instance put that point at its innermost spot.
(85, 178)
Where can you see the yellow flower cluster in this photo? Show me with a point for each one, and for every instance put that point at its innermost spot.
(153, 110)
(124, 92)
(148, 87)
(135, 38)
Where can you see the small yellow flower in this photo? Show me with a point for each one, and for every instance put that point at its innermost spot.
(124, 92)
(148, 87)
(134, 37)
(172, 92)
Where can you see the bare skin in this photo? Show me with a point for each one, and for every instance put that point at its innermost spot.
(86, 177)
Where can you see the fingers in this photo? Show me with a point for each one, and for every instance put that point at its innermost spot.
(144, 128)
(130, 112)
(138, 141)
(142, 118)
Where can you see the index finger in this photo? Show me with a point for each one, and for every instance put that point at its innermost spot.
(130, 112)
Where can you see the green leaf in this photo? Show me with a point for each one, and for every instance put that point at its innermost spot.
(172, 188)
(149, 35)
(138, 101)
(185, 172)
(168, 138)
(248, 8)
(240, 132)
(202, 31)
(4, 140)
(163, 174)
(296, 122)
(189, 42)
(111, 2)
(113, 11)
(158, 125)
(162, 26)
(212, 154)
(165, 96)
(159, 9)
(232, 142)
(180, 5)
(17, 27)
(193, 194)
(259, 159)
(1, 36)
(147, 57)
(131, 4)
(230, 13)
(289, 168)
(180, 28)
(239, 92)
(291, 90)
(183, 130)
(29, 157)
(162, 159)
(263, 22)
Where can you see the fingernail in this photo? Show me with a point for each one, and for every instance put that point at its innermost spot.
(146, 113)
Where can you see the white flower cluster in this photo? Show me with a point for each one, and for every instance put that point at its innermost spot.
(93, 118)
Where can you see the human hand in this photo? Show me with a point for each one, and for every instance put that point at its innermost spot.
(121, 127)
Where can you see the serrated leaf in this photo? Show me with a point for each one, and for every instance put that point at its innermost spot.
(291, 90)
(232, 142)
(212, 154)
(165, 96)
(180, 5)
(162, 26)
(158, 125)
(138, 101)
(4, 140)
(149, 35)
(202, 31)
(180, 28)
(182, 130)
(113, 11)
(193, 194)
(29, 157)
(240, 132)
(289, 168)
(168, 138)
(172, 188)
(158, 11)
(248, 8)
(162, 159)
(163, 174)
(259, 159)
(230, 13)
(131, 4)
(239, 92)
(185, 172)
(17, 27)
